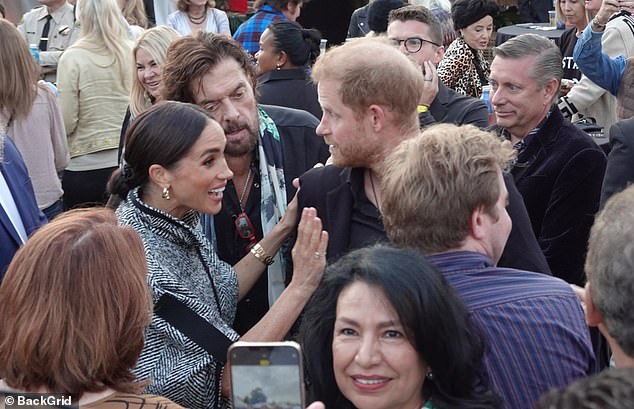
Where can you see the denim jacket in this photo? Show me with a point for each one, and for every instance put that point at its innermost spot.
(595, 64)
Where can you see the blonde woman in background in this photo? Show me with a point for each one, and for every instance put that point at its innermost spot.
(194, 16)
(32, 118)
(149, 54)
(94, 86)
(134, 14)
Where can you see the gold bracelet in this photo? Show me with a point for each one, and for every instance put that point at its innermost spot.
(259, 253)
(597, 24)
(422, 108)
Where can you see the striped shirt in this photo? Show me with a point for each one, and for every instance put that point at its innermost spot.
(532, 324)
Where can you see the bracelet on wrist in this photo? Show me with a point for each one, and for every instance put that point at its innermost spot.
(597, 24)
(262, 256)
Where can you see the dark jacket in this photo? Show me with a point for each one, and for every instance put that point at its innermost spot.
(451, 107)
(301, 149)
(17, 177)
(290, 88)
(327, 189)
(559, 175)
(358, 26)
(620, 168)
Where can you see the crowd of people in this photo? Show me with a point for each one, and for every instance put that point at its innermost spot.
(168, 187)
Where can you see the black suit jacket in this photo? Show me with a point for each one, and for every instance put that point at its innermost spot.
(290, 88)
(620, 169)
(327, 190)
(559, 175)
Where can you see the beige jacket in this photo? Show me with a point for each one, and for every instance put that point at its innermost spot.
(93, 98)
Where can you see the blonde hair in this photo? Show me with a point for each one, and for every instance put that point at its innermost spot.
(370, 71)
(18, 72)
(75, 303)
(134, 13)
(103, 29)
(433, 182)
(155, 41)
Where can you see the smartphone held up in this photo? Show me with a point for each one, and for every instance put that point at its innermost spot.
(266, 375)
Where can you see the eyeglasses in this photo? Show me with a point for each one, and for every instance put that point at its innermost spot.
(245, 229)
(412, 44)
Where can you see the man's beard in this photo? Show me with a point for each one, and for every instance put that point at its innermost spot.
(237, 148)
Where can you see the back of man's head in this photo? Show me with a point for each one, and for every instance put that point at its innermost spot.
(610, 268)
(547, 57)
(611, 389)
(189, 58)
(434, 182)
(370, 71)
(422, 15)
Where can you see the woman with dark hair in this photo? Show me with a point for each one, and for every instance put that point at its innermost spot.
(463, 67)
(78, 329)
(174, 168)
(286, 53)
(194, 16)
(385, 330)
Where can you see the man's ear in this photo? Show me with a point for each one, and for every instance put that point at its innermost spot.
(377, 117)
(159, 175)
(594, 317)
(477, 225)
(439, 52)
(550, 90)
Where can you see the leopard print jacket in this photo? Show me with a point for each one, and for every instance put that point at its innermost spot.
(458, 71)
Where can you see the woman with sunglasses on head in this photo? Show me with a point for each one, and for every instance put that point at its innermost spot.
(464, 67)
(287, 51)
(174, 169)
(384, 330)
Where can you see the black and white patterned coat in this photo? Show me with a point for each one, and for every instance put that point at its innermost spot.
(175, 250)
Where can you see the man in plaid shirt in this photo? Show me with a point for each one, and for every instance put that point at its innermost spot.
(268, 11)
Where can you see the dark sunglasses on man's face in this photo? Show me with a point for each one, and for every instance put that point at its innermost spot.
(245, 229)
(412, 44)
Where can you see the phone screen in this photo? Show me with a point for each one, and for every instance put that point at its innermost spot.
(266, 376)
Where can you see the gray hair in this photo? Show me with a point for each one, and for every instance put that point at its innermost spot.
(610, 267)
(547, 65)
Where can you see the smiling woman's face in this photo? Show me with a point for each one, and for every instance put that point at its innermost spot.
(375, 365)
(148, 73)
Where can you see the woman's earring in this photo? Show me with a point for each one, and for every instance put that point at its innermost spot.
(166, 193)
(278, 67)
(429, 376)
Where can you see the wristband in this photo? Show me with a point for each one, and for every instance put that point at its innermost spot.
(259, 253)
(422, 108)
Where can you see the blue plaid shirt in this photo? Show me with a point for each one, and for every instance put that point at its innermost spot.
(249, 32)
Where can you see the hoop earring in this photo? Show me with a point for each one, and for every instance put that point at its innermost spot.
(166, 193)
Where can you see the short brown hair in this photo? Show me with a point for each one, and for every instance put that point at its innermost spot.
(75, 302)
(190, 58)
(433, 182)
(420, 14)
(373, 72)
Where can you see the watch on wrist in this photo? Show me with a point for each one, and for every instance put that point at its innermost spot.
(259, 253)
(422, 108)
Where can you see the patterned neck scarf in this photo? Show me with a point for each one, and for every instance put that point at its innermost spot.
(273, 194)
